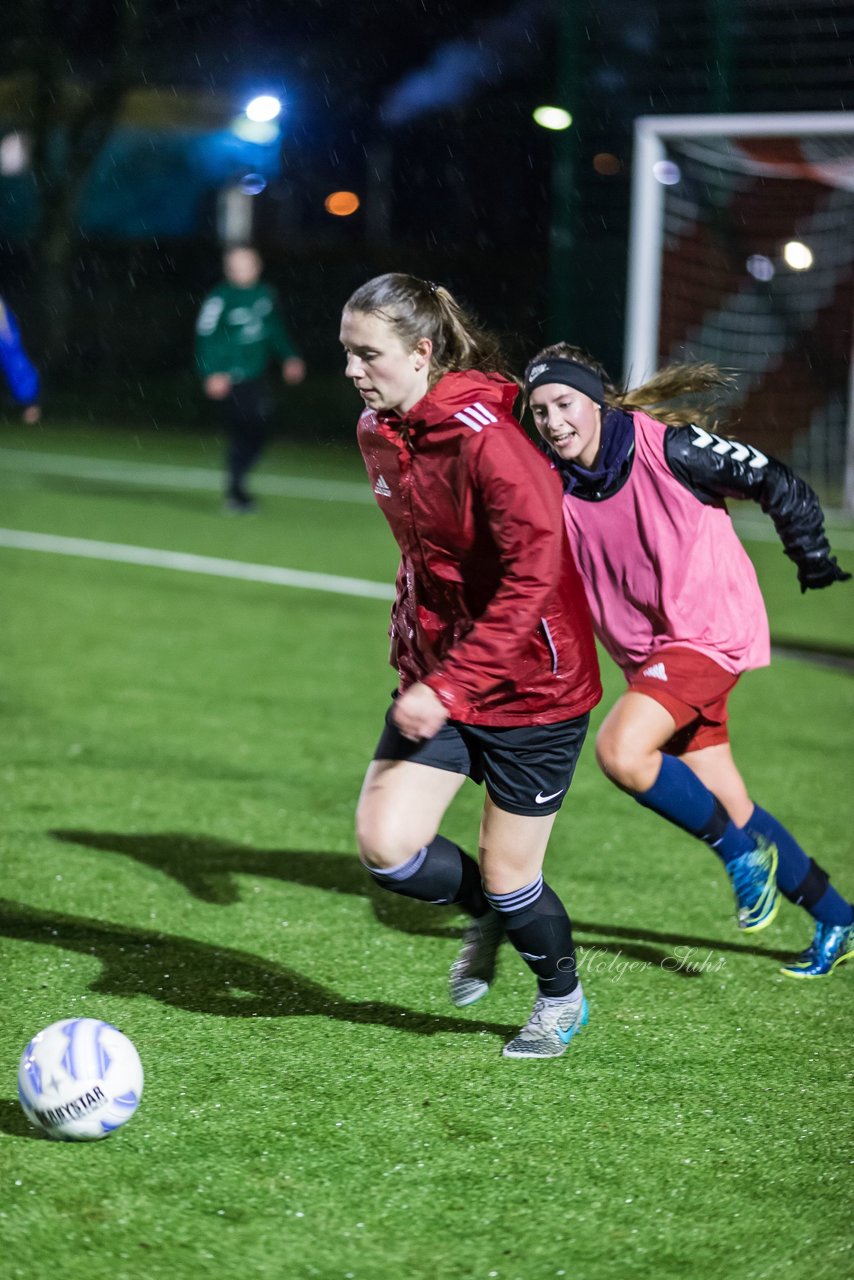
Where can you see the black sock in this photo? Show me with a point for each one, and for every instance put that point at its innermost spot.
(536, 922)
(438, 872)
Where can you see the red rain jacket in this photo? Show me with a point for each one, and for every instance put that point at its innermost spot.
(490, 609)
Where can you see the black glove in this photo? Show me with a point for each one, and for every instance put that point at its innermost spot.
(820, 572)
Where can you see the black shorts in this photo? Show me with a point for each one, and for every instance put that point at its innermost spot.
(526, 770)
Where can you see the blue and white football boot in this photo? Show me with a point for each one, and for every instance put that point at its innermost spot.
(550, 1028)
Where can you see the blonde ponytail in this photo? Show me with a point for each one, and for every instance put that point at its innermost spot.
(660, 395)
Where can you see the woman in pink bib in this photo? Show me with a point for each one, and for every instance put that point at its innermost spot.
(676, 603)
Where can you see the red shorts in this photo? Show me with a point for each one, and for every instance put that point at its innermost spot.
(694, 689)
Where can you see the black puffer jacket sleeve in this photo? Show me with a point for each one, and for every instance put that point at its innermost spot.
(715, 468)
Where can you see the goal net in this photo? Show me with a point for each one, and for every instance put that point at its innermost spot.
(742, 253)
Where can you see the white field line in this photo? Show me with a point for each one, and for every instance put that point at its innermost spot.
(167, 476)
(186, 562)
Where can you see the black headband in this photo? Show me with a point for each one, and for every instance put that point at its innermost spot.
(571, 374)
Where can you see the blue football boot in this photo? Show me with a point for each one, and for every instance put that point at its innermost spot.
(754, 882)
(832, 944)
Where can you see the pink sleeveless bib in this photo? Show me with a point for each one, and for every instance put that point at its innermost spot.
(661, 568)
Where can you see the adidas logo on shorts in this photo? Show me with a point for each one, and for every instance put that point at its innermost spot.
(381, 487)
(656, 672)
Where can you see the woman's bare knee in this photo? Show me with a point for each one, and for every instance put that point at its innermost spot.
(383, 840)
(400, 809)
(629, 742)
(630, 765)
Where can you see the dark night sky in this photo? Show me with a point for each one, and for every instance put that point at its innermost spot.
(464, 74)
(448, 86)
(331, 46)
(642, 52)
(460, 77)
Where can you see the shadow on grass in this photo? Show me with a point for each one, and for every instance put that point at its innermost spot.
(15, 1123)
(689, 942)
(202, 978)
(208, 869)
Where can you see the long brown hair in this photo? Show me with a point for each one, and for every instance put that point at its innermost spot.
(418, 309)
(661, 394)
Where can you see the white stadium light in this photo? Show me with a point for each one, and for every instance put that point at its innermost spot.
(797, 255)
(556, 118)
(264, 108)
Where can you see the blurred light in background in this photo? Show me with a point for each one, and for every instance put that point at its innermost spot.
(606, 164)
(264, 108)
(667, 173)
(341, 203)
(14, 154)
(552, 118)
(760, 267)
(797, 255)
(252, 184)
(260, 131)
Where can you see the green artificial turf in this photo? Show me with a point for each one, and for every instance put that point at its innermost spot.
(180, 761)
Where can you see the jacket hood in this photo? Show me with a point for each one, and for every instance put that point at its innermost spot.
(456, 391)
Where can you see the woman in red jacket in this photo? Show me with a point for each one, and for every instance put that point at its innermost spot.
(490, 635)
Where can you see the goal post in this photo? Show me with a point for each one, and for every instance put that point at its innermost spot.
(741, 252)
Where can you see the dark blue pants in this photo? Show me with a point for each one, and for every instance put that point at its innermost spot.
(249, 413)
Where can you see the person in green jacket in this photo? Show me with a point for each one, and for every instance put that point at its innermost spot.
(239, 333)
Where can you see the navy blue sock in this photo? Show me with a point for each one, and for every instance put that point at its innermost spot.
(802, 881)
(438, 872)
(678, 795)
(536, 922)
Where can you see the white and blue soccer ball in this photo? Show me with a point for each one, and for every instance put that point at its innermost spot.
(80, 1079)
